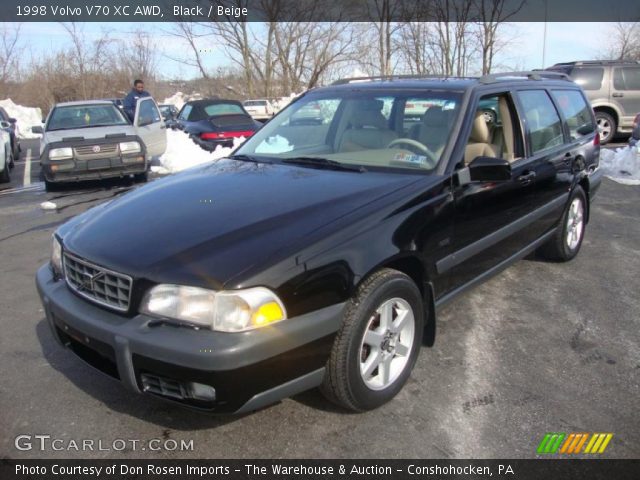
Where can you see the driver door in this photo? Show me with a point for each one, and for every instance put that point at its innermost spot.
(150, 127)
(493, 219)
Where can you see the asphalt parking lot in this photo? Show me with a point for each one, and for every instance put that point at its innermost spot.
(542, 347)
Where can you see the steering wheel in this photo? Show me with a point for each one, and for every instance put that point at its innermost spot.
(414, 143)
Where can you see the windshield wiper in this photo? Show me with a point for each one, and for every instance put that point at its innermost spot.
(247, 158)
(320, 162)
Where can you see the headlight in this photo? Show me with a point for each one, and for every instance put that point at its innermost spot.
(225, 311)
(130, 147)
(60, 153)
(56, 256)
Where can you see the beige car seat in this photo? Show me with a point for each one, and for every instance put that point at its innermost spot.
(368, 128)
(479, 140)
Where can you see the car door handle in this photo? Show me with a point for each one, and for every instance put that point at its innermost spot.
(617, 95)
(567, 158)
(526, 178)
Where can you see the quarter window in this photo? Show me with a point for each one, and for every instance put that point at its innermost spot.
(545, 128)
(627, 78)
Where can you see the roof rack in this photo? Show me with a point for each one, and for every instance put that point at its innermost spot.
(528, 75)
(596, 62)
(344, 81)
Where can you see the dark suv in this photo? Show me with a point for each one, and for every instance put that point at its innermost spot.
(318, 254)
(612, 87)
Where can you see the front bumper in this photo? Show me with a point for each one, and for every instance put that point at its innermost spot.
(78, 170)
(248, 370)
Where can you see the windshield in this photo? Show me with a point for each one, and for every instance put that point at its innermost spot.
(83, 116)
(396, 129)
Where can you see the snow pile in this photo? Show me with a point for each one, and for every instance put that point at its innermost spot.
(622, 166)
(48, 206)
(26, 117)
(183, 153)
(178, 99)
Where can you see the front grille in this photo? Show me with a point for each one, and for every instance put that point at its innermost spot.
(89, 151)
(163, 386)
(98, 284)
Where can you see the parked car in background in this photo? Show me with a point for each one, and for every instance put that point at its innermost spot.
(612, 87)
(6, 152)
(94, 139)
(259, 109)
(307, 114)
(213, 122)
(168, 111)
(12, 129)
(327, 248)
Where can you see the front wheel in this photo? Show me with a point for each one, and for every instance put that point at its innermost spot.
(378, 344)
(567, 239)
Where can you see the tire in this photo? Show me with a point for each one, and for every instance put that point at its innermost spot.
(567, 239)
(606, 126)
(5, 176)
(389, 357)
(141, 177)
(51, 186)
(12, 162)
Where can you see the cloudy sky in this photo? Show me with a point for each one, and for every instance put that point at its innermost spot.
(564, 42)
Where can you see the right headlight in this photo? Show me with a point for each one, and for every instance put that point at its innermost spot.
(60, 153)
(224, 311)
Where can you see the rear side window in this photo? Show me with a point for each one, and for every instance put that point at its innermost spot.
(626, 78)
(545, 128)
(576, 112)
(589, 78)
(223, 109)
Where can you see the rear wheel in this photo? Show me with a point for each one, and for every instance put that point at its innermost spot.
(378, 344)
(141, 177)
(606, 126)
(567, 239)
(5, 176)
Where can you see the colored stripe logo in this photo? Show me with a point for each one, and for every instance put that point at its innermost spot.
(573, 443)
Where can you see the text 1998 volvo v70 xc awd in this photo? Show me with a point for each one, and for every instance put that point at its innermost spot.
(317, 254)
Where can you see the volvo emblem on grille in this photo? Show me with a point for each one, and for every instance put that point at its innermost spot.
(96, 149)
(87, 281)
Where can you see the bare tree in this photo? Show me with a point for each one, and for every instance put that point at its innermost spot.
(623, 42)
(139, 56)
(191, 32)
(492, 15)
(10, 51)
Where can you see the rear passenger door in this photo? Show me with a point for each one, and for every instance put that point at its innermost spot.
(550, 156)
(626, 92)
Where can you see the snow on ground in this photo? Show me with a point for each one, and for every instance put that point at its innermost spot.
(621, 165)
(48, 206)
(183, 153)
(26, 117)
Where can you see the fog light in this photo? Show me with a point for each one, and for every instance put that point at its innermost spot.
(199, 391)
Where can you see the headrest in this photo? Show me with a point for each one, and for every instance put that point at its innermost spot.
(368, 113)
(435, 117)
(479, 130)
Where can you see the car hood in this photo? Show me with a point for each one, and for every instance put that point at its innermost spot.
(208, 224)
(89, 132)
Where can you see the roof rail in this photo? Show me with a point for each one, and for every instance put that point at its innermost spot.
(528, 75)
(344, 81)
(597, 62)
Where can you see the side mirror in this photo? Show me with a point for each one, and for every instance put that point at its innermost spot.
(4, 125)
(485, 169)
(37, 129)
(12, 120)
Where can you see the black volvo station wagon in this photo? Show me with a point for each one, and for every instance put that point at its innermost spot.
(318, 253)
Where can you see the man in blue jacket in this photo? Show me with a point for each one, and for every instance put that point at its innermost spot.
(130, 101)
